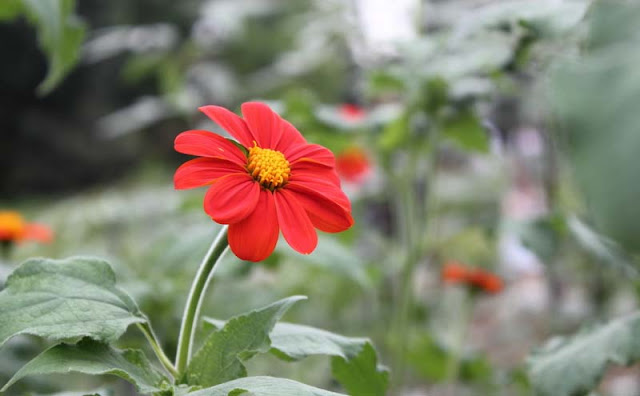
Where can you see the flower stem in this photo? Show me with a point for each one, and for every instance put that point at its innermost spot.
(157, 349)
(192, 309)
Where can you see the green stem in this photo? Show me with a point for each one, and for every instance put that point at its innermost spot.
(198, 288)
(462, 328)
(157, 349)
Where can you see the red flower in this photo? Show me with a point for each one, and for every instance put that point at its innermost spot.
(353, 165)
(279, 182)
(13, 228)
(351, 112)
(454, 272)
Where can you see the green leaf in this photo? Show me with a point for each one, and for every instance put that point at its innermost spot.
(572, 366)
(333, 256)
(603, 136)
(65, 299)
(294, 342)
(220, 358)
(466, 131)
(10, 9)
(60, 34)
(95, 358)
(263, 386)
(601, 248)
(361, 375)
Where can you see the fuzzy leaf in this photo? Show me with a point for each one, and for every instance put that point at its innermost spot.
(361, 375)
(294, 342)
(220, 358)
(602, 137)
(60, 34)
(572, 366)
(263, 386)
(466, 131)
(65, 299)
(95, 358)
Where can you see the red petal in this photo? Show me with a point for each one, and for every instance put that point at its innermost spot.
(323, 186)
(294, 222)
(37, 232)
(325, 214)
(208, 144)
(312, 170)
(255, 237)
(310, 152)
(231, 198)
(291, 137)
(230, 122)
(264, 123)
(199, 172)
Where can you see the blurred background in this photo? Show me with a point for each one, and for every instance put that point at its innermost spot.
(489, 135)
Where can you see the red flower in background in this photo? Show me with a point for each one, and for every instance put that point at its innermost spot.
(351, 112)
(13, 228)
(454, 272)
(353, 164)
(278, 183)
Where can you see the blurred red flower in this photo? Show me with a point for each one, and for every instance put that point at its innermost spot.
(454, 272)
(13, 228)
(353, 165)
(351, 112)
(275, 182)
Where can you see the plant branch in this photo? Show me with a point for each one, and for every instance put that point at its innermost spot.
(157, 349)
(194, 301)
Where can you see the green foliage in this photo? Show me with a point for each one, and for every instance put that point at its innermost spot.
(65, 299)
(220, 358)
(466, 131)
(332, 256)
(603, 134)
(95, 358)
(10, 9)
(263, 386)
(542, 235)
(600, 247)
(294, 342)
(60, 34)
(361, 375)
(354, 361)
(573, 366)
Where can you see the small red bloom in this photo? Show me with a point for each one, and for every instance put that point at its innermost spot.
(353, 165)
(351, 112)
(14, 228)
(454, 272)
(486, 281)
(279, 183)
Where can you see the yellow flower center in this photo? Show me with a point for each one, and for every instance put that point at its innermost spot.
(268, 167)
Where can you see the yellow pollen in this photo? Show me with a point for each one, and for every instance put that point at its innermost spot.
(268, 167)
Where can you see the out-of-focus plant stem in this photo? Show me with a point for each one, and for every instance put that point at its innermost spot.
(415, 220)
(157, 349)
(461, 328)
(194, 301)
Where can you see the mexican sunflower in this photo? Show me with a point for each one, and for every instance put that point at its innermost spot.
(353, 165)
(454, 272)
(13, 228)
(272, 180)
(351, 112)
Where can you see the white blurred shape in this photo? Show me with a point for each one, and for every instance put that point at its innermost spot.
(112, 41)
(384, 23)
(140, 114)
